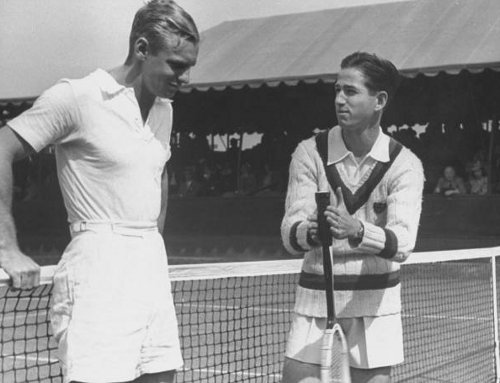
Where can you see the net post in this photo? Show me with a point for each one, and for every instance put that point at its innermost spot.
(495, 317)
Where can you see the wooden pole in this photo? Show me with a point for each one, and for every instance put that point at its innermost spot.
(493, 125)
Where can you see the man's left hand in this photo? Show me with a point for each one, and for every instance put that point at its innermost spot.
(342, 224)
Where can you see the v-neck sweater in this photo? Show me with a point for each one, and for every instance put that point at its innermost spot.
(366, 276)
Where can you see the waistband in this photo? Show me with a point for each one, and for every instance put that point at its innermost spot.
(134, 229)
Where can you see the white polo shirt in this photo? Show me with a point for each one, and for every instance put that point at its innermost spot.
(109, 162)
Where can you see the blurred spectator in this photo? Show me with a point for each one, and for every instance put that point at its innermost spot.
(268, 179)
(233, 152)
(270, 184)
(450, 184)
(173, 185)
(228, 178)
(210, 179)
(189, 187)
(248, 180)
(478, 181)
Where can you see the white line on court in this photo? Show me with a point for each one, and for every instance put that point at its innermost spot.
(447, 317)
(225, 307)
(235, 373)
(11, 315)
(31, 358)
(200, 370)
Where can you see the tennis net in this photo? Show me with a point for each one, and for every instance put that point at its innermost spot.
(234, 319)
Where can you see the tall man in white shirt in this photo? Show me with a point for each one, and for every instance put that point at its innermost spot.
(112, 311)
(376, 186)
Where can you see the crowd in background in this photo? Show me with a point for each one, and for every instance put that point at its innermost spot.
(455, 162)
(451, 155)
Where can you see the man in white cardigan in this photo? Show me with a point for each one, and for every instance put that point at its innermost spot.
(376, 186)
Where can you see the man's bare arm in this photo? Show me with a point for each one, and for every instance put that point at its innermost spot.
(164, 200)
(24, 272)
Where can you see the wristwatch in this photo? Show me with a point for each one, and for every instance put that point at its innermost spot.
(358, 237)
(361, 232)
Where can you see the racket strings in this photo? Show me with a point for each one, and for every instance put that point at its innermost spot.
(335, 365)
(336, 359)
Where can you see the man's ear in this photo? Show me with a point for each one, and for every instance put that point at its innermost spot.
(141, 48)
(382, 98)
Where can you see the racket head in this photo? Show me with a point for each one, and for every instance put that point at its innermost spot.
(334, 356)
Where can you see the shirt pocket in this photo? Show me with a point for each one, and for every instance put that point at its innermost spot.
(377, 208)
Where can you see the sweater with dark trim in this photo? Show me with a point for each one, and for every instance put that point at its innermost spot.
(366, 275)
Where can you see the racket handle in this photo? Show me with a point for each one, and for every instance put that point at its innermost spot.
(322, 201)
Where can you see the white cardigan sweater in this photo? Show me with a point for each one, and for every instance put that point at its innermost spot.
(367, 275)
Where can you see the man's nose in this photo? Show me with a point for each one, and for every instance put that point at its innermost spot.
(339, 98)
(184, 77)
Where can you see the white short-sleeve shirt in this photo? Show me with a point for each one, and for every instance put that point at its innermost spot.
(109, 162)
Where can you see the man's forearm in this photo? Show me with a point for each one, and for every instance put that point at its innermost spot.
(8, 238)
(164, 201)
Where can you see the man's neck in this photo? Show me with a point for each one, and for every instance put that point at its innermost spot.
(130, 76)
(360, 141)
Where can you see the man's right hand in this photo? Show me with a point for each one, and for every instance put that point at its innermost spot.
(312, 230)
(23, 271)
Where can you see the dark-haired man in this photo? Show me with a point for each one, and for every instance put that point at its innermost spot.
(112, 311)
(376, 187)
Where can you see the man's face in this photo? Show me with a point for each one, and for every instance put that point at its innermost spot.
(449, 173)
(165, 72)
(354, 103)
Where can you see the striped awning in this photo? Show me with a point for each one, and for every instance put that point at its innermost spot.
(419, 36)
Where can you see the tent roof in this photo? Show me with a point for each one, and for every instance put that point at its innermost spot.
(421, 36)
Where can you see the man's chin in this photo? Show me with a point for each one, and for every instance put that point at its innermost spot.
(168, 94)
(344, 123)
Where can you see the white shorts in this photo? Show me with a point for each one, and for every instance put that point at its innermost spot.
(112, 311)
(373, 341)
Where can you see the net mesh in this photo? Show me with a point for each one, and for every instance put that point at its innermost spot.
(234, 320)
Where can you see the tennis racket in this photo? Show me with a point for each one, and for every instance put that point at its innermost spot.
(334, 352)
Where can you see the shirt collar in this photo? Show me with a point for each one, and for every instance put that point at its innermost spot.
(110, 86)
(106, 82)
(337, 150)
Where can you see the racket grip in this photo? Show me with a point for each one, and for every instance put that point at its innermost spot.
(322, 201)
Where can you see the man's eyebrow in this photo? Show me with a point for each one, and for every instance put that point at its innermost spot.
(345, 86)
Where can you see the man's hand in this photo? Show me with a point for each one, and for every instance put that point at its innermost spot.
(23, 271)
(312, 229)
(342, 224)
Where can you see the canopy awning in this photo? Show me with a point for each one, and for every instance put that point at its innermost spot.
(420, 36)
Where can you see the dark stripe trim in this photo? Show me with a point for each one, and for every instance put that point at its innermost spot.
(391, 245)
(354, 201)
(293, 238)
(351, 282)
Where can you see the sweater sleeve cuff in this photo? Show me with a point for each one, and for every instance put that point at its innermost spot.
(379, 241)
(299, 240)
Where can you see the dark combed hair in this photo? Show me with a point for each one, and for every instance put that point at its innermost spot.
(160, 22)
(380, 74)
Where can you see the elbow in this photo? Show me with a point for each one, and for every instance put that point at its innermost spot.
(402, 255)
(398, 246)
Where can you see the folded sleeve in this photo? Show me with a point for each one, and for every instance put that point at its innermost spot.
(51, 120)
(300, 202)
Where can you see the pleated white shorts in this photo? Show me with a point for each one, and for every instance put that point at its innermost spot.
(372, 341)
(112, 311)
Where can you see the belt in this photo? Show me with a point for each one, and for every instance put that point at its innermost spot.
(134, 229)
